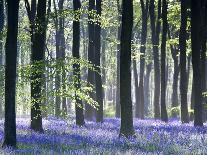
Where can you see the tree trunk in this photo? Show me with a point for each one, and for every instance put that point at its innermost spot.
(183, 73)
(76, 66)
(85, 55)
(155, 28)
(118, 108)
(175, 87)
(192, 103)
(188, 70)
(1, 53)
(62, 52)
(144, 8)
(127, 128)
(98, 80)
(164, 116)
(137, 106)
(203, 57)
(58, 57)
(89, 113)
(103, 62)
(196, 60)
(38, 54)
(147, 88)
(176, 70)
(10, 74)
(203, 75)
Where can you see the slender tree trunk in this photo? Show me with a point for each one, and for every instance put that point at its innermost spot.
(147, 88)
(203, 75)
(142, 56)
(176, 70)
(84, 76)
(137, 111)
(103, 61)
(57, 78)
(62, 52)
(46, 75)
(58, 58)
(76, 66)
(192, 103)
(164, 116)
(10, 74)
(183, 73)
(155, 28)
(196, 60)
(98, 80)
(1, 53)
(127, 129)
(188, 70)
(89, 113)
(118, 109)
(175, 87)
(203, 57)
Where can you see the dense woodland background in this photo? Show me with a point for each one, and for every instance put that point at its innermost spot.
(102, 58)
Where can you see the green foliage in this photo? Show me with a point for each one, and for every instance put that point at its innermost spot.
(49, 70)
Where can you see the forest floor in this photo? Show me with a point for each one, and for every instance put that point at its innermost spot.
(63, 137)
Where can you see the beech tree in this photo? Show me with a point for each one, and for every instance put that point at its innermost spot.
(98, 80)
(89, 113)
(144, 8)
(127, 129)
(76, 66)
(164, 116)
(2, 18)
(196, 60)
(183, 73)
(118, 109)
(155, 30)
(10, 74)
(38, 50)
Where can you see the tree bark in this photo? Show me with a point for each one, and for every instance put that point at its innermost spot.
(147, 88)
(10, 74)
(103, 62)
(164, 116)
(76, 66)
(2, 18)
(155, 28)
(176, 71)
(136, 87)
(183, 73)
(144, 8)
(98, 80)
(203, 57)
(62, 51)
(118, 109)
(175, 87)
(58, 58)
(203, 75)
(89, 113)
(127, 128)
(196, 60)
(38, 54)
(192, 103)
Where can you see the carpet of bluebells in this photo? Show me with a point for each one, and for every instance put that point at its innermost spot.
(64, 137)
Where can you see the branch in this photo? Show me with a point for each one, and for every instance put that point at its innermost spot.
(27, 6)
